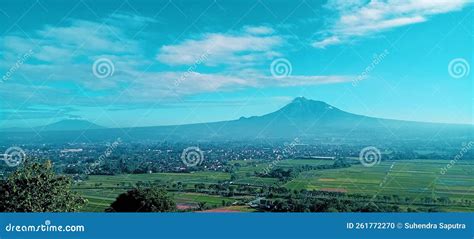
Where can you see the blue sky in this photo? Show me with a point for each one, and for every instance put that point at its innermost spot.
(176, 62)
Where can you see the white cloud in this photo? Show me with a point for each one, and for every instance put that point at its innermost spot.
(163, 85)
(62, 59)
(52, 53)
(78, 38)
(359, 18)
(259, 30)
(123, 19)
(250, 46)
(88, 37)
(328, 41)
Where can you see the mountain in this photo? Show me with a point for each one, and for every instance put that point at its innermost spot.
(71, 125)
(63, 125)
(302, 118)
(303, 109)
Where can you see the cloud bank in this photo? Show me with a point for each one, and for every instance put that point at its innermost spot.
(63, 56)
(358, 18)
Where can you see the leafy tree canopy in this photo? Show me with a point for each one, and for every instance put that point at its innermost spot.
(35, 187)
(143, 200)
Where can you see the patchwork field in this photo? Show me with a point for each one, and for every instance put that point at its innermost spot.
(410, 180)
(406, 178)
(102, 190)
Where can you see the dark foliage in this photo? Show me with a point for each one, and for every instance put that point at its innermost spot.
(143, 200)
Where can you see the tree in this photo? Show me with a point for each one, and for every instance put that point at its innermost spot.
(36, 188)
(202, 205)
(143, 200)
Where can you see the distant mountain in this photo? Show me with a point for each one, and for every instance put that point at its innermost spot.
(63, 125)
(70, 125)
(302, 118)
(303, 109)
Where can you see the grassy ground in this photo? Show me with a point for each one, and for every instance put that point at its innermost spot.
(100, 203)
(406, 178)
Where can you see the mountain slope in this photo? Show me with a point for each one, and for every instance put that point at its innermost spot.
(63, 125)
(71, 125)
(302, 118)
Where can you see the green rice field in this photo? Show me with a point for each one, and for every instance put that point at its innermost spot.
(412, 179)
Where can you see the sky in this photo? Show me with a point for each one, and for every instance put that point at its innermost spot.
(147, 63)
